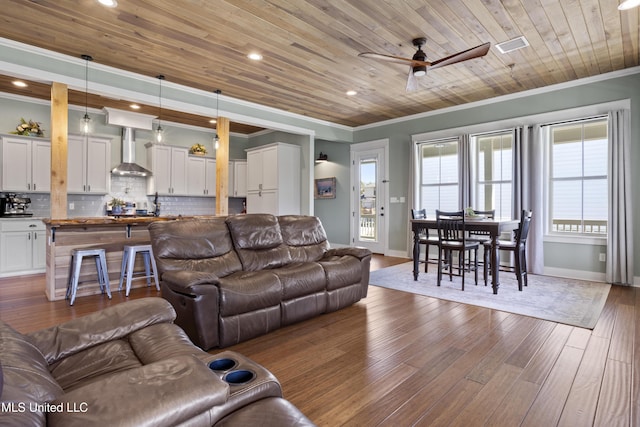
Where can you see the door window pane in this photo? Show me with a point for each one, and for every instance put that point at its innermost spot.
(368, 217)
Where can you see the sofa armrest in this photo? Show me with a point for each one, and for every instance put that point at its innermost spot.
(111, 323)
(355, 251)
(165, 393)
(189, 281)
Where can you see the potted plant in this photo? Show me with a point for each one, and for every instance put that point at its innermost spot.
(198, 150)
(116, 206)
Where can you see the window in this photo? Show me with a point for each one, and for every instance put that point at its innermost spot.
(494, 159)
(439, 186)
(578, 186)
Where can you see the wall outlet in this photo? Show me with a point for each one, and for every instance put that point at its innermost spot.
(72, 206)
(603, 257)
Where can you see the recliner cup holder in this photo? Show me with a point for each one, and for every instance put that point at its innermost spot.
(225, 364)
(239, 377)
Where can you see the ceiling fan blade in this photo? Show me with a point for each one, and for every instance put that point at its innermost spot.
(412, 81)
(474, 52)
(392, 58)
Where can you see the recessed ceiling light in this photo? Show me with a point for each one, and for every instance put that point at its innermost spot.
(108, 3)
(254, 56)
(628, 4)
(135, 106)
(19, 83)
(351, 93)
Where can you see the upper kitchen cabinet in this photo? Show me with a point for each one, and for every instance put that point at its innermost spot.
(26, 164)
(88, 168)
(169, 167)
(273, 179)
(201, 176)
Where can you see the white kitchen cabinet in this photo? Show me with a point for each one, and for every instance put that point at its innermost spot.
(169, 167)
(88, 169)
(26, 164)
(22, 247)
(273, 179)
(238, 178)
(201, 176)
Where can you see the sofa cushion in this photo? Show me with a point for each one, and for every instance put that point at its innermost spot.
(91, 364)
(112, 323)
(26, 379)
(199, 244)
(258, 241)
(247, 291)
(301, 278)
(305, 237)
(341, 271)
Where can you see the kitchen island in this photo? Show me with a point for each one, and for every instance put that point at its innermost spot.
(110, 233)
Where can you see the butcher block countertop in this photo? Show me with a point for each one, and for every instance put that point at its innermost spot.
(111, 220)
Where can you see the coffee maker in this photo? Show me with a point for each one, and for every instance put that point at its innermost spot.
(14, 206)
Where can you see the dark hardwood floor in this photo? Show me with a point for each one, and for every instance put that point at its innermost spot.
(398, 359)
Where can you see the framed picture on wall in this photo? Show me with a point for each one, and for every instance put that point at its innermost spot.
(325, 188)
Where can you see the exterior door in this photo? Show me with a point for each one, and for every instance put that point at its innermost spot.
(369, 227)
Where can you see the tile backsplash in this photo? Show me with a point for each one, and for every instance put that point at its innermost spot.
(130, 189)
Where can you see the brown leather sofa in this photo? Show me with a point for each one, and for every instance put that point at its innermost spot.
(234, 278)
(129, 365)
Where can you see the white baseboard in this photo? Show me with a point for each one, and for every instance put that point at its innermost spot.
(574, 274)
(398, 254)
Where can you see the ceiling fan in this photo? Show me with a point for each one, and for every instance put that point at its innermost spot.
(418, 63)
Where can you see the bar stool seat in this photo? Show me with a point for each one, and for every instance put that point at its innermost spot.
(74, 271)
(129, 253)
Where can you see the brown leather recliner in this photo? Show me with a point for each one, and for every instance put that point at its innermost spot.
(234, 278)
(129, 365)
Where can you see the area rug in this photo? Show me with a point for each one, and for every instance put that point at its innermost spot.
(569, 301)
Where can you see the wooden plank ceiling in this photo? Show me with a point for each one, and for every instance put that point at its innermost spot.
(311, 48)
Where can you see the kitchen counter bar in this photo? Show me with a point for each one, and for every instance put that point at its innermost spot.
(110, 233)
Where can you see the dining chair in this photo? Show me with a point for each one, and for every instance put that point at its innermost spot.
(482, 236)
(518, 246)
(425, 239)
(452, 237)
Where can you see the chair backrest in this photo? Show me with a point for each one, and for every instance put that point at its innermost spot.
(418, 213)
(490, 214)
(523, 229)
(451, 226)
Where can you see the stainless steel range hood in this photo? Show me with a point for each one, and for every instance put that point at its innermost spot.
(129, 121)
(129, 166)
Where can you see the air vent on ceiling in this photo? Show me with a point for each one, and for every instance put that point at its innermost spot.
(513, 44)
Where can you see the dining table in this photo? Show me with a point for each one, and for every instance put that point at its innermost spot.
(495, 227)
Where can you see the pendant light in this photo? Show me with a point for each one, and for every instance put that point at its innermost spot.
(159, 131)
(216, 139)
(86, 120)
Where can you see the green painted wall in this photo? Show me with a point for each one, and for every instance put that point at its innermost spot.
(558, 255)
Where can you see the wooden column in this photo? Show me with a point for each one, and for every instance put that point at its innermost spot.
(59, 131)
(222, 167)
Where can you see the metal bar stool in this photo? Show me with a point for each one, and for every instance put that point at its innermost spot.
(74, 271)
(129, 253)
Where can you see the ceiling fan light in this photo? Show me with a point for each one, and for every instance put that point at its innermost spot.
(420, 71)
(629, 4)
